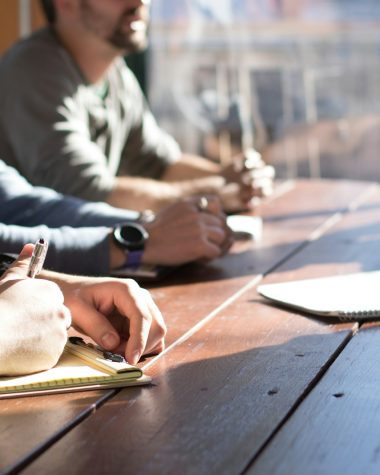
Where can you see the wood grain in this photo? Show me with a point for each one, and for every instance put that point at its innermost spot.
(234, 366)
(222, 393)
(289, 222)
(337, 428)
(216, 399)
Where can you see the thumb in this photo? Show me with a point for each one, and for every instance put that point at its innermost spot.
(19, 269)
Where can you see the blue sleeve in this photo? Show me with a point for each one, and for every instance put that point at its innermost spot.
(83, 251)
(25, 205)
(77, 230)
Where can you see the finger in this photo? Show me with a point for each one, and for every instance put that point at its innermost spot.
(249, 192)
(258, 188)
(231, 197)
(19, 269)
(252, 165)
(208, 219)
(156, 339)
(227, 245)
(95, 325)
(214, 205)
(66, 314)
(216, 235)
(263, 189)
(228, 241)
(214, 228)
(140, 318)
(252, 159)
(209, 249)
(261, 182)
(250, 176)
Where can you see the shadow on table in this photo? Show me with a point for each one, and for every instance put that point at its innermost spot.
(210, 415)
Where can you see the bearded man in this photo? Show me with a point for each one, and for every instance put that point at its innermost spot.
(73, 117)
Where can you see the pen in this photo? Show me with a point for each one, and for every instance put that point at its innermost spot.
(38, 258)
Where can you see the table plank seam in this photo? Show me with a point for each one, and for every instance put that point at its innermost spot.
(314, 235)
(40, 449)
(205, 320)
(312, 385)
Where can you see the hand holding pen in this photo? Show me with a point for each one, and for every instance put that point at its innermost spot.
(37, 307)
(38, 258)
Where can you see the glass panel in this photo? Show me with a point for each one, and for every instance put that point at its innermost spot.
(297, 79)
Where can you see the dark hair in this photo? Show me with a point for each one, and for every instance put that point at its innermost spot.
(49, 10)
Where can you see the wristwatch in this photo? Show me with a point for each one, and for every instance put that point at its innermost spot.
(131, 237)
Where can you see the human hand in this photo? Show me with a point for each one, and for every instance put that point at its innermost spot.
(116, 313)
(183, 233)
(247, 177)
(33, 320)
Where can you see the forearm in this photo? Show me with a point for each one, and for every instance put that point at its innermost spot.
(190, 167)
(142, 193)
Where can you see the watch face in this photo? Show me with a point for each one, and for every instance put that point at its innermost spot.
(131, 236)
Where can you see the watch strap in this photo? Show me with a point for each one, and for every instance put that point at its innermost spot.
(133, 258)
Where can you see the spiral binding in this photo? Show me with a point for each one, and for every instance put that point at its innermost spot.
(358, 315)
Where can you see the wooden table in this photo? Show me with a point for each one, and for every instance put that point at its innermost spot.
(243, 386)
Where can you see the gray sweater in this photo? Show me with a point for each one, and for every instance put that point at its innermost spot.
(60, 131)
(76, 230)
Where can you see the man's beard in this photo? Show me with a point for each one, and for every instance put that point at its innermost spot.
(131, 41)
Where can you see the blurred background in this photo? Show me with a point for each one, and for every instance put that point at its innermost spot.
(296, 79)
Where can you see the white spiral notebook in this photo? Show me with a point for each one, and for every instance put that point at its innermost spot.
(348, 297)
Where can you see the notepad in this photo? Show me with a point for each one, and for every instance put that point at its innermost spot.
(78, 369)
(347, 297)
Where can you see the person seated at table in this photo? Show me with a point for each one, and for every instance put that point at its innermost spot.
(36, 313)
(82, 234)
(82, 125)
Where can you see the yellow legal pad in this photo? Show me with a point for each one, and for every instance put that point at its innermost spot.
(75, 371)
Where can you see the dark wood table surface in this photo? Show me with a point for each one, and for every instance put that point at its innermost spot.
(243, 386)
